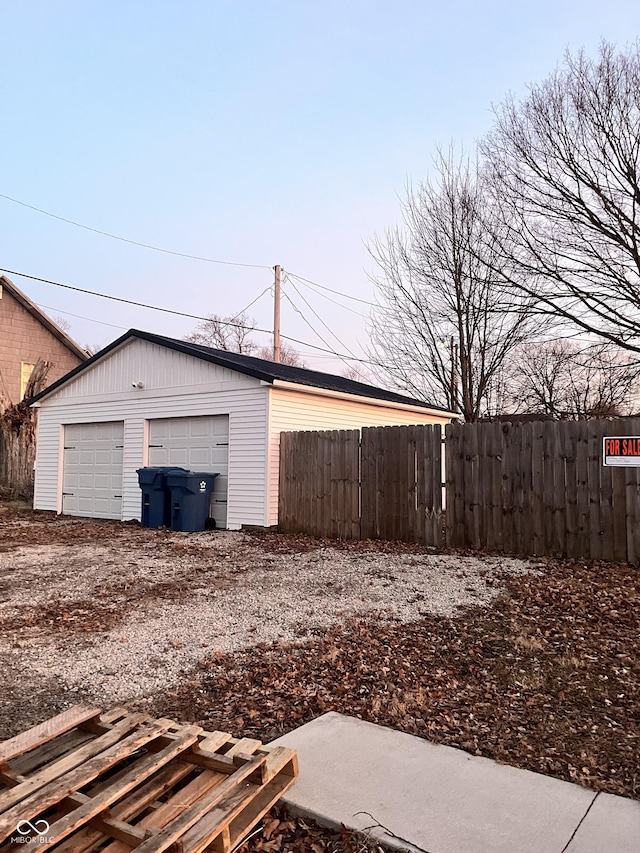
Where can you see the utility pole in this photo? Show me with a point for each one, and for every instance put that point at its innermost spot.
(276, 313)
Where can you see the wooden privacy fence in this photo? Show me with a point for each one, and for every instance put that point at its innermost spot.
(529, 488)
(541, 488)
(385, 483)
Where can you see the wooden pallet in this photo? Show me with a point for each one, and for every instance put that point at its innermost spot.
(118, 781)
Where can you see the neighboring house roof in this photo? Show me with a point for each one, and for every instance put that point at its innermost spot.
(41, 317)
(259, 368)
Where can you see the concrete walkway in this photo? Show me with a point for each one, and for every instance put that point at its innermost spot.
(438, 799)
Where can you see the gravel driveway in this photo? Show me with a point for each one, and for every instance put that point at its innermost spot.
(114, 613)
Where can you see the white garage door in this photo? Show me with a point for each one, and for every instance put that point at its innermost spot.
(198, 444)
(92, 479)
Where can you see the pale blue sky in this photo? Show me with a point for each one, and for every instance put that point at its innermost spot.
(265, 132)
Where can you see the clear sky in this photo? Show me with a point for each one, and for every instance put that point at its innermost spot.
(259, 132)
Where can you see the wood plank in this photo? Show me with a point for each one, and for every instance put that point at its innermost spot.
(438, 475)
(548, 493)
(46, 731)
(569, 441)
(537, 489)
(474, 491)
(172, 808)
(485, 476)
(619, 509)
(230, 824)
(355, 484)
(559, 490)
(367, 486)
(85, 839)
(70, 761)
(192, 814)
(415, 524)
(216, 820)
(138, 772)
(596, 430)
(496, 485)
(199, 786)
(633, 502)
(582, 486)
(242, 825)
(75, 779)
(50, 751)
(517, 488)
(281, 771)
(508, 465)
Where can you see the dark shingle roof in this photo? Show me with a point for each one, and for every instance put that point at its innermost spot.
(259, 368)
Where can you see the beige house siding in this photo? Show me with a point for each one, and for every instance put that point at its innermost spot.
(23, 340)
(315, 410)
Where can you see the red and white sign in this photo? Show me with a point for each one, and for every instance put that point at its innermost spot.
(621, 450)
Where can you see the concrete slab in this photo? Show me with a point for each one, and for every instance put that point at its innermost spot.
(612, 824)
(436, 798)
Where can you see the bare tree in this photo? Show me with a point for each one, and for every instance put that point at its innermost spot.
(564, 168)
(226, 333)
(357, 373)
(566, 380)
(63, 323)
(441, 330)
(233, 334)
(288, 355)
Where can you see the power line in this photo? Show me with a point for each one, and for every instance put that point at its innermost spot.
(253, 302)
(330, 351)
(315, 331)
(79, 316)
(132, 242)
(334, 301)
(337, 292)
(315, 313)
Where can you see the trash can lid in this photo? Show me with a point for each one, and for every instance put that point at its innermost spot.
(148, 475)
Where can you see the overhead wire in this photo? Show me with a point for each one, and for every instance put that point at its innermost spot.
(79, 316)
(329, 299)
(302, 279)
(317, 316)
(132, 242)
(253, 302)
(173, 311)
(315, 331)
(331, 290)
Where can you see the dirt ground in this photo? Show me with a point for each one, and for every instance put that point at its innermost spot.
(535, 663)
(115, 613)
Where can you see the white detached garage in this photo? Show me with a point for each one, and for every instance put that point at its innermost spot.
(150, 400)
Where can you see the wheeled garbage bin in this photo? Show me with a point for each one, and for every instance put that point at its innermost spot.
(190, 499)
(156, 498)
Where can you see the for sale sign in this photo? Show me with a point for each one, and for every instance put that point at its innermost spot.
(621, 450)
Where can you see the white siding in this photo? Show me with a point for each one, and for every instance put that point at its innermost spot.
(171, 390)
(153, 365)
(295, 410)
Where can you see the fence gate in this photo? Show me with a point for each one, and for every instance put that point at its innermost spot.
(385, 484)
(401, 478)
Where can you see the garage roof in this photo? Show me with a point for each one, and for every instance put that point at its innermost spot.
(259, 368)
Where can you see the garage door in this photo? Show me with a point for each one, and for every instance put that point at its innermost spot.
(92, 479)
(198, 444)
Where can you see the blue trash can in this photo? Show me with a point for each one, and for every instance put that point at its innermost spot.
(190, 499)
(156, 498)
